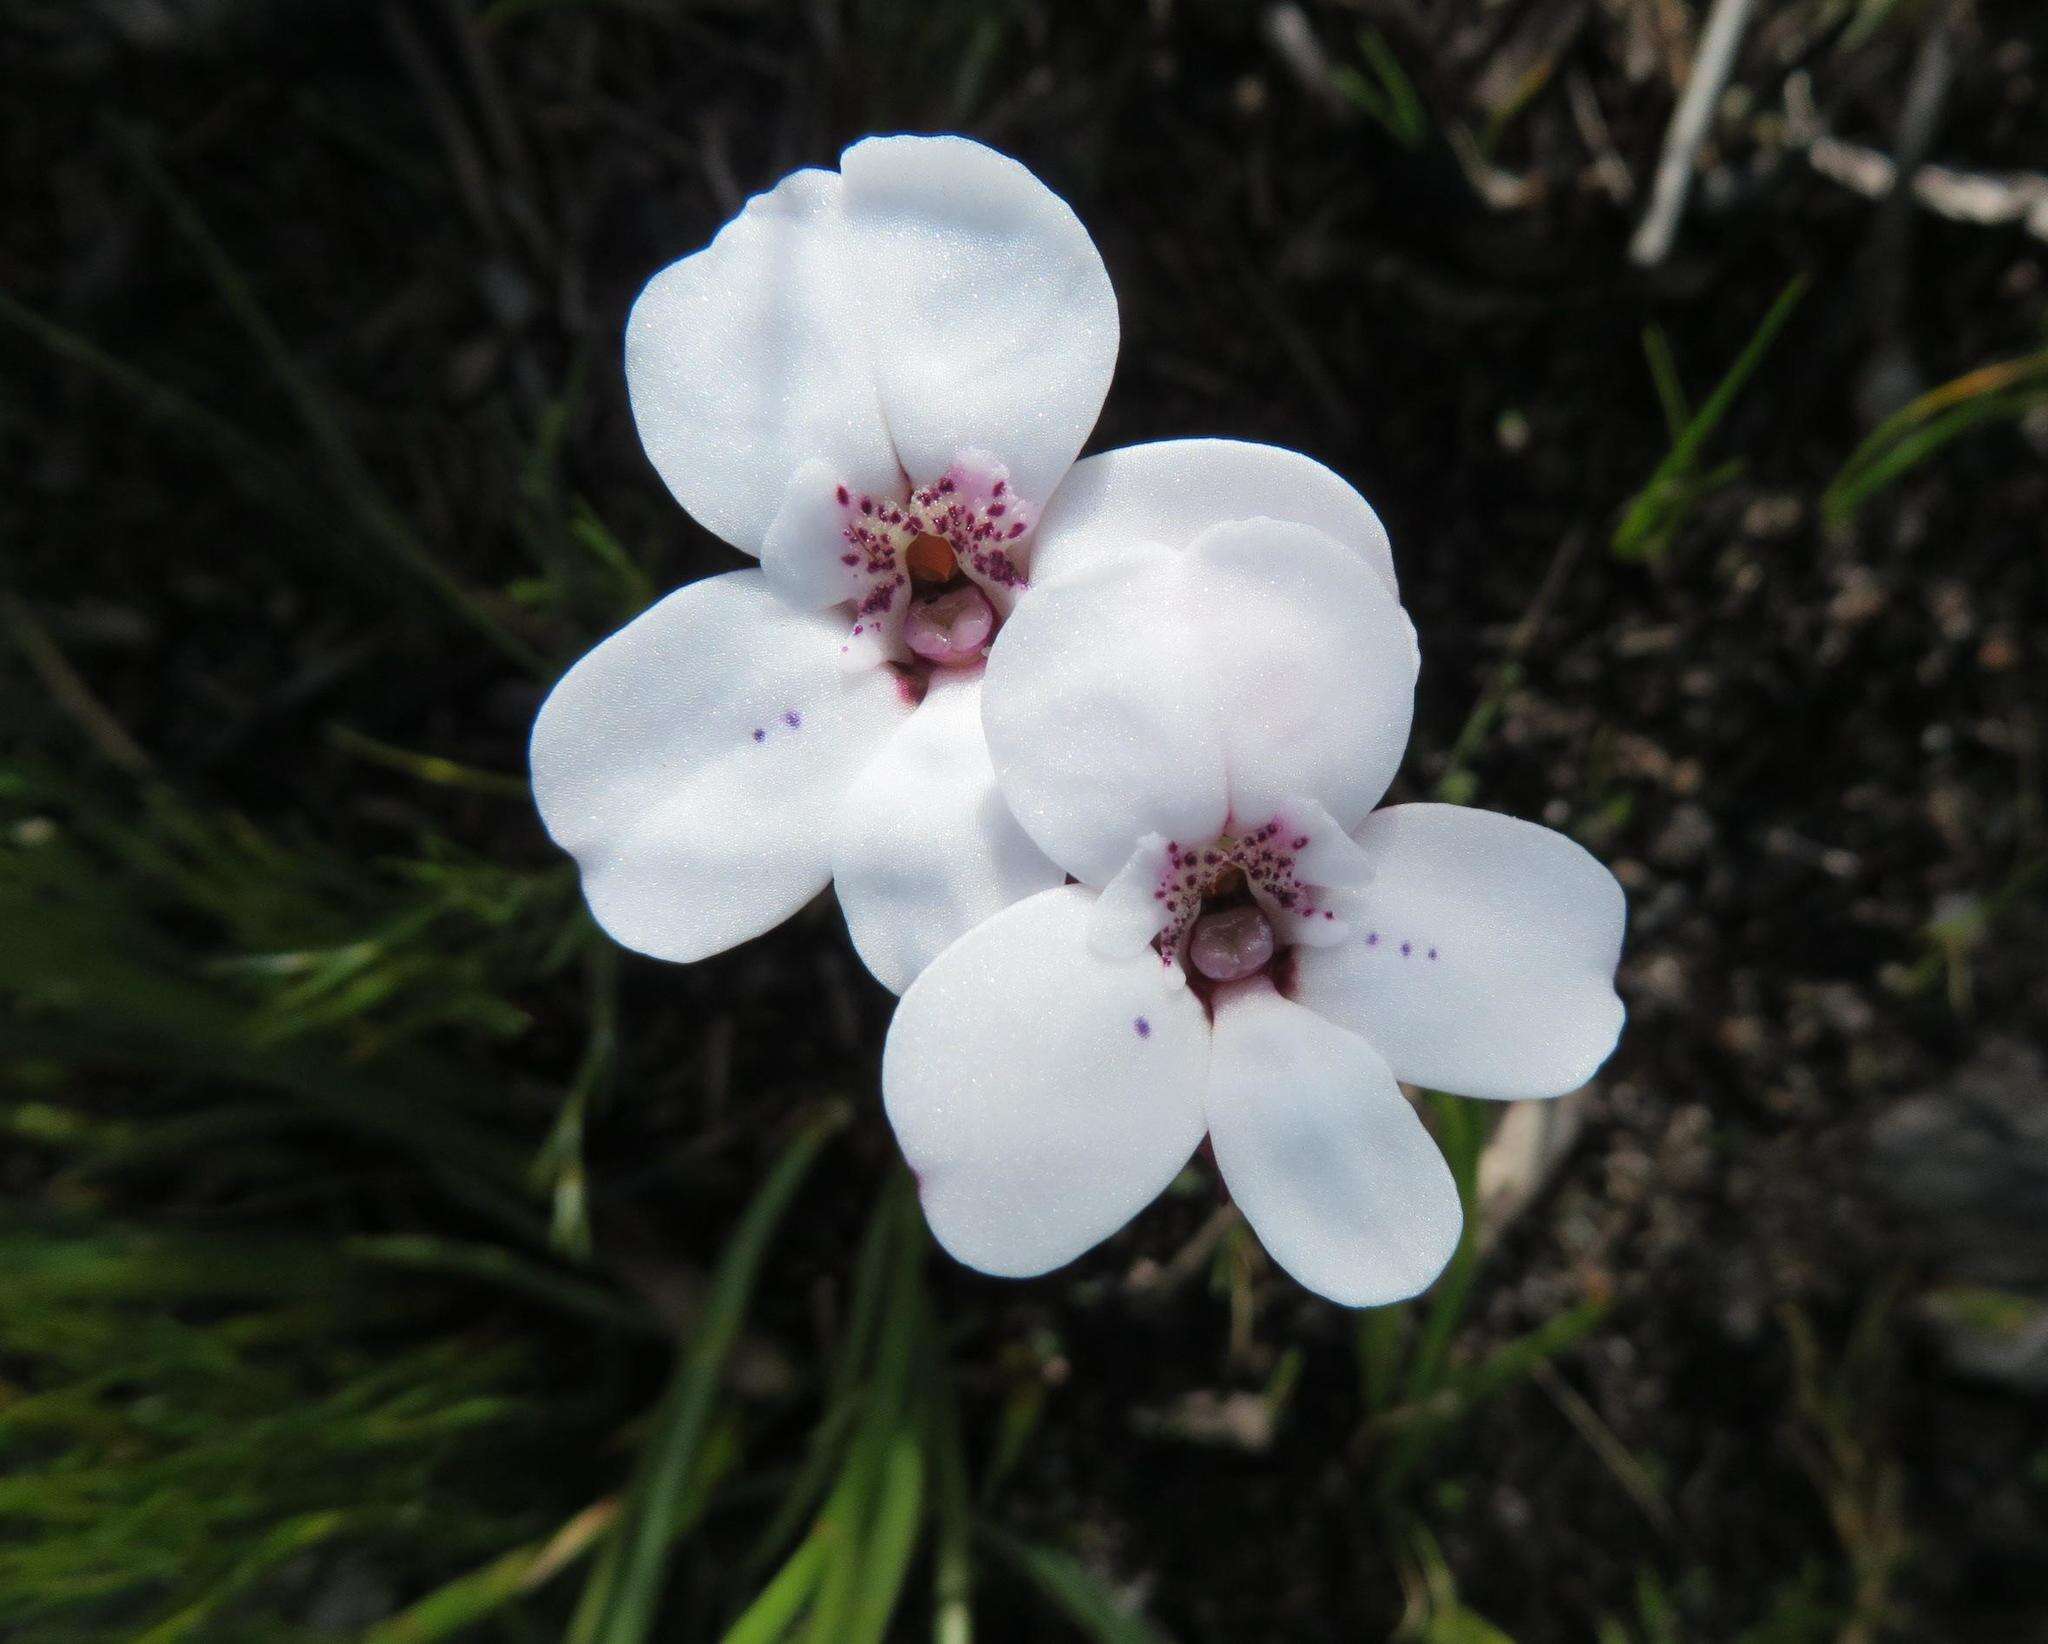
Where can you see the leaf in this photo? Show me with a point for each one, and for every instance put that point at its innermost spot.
(1076, 1591)
(624, 1594)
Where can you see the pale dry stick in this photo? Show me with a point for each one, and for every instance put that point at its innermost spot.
(1155, 1284)
(70, 692)
(1710, 68)
(1293, 40)
(1609, 168)
(1989, 199)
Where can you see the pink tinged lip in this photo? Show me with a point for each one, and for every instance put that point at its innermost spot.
(1231, 945)
(952, 629)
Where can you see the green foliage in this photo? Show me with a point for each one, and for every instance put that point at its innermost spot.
(1383, 91)
(1414, 1391)
(185, 1421)
(620, 1604)
(1651, 519)
(2002, 392)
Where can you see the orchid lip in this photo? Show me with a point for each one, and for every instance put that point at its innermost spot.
(951, 629)
(1229, 945)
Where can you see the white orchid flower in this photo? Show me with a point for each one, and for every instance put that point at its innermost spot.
(1195, 721)
(872, 380)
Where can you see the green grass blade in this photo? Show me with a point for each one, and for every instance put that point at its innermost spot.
(460, 1604)
(1076, 1591)
(772, 1615)
(631, 1583)
(953, 1512)
(891, 1538)
(1664, 374)
(842, 1404)
(495, 1265)
(1649, 518)
(2007, 388)
(1461, 1133)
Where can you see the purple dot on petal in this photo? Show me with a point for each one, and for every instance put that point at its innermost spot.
(1432, 953)
(760, 735)
(792, 719)
(1372, 939)
(1142, 1028)
(1406, 949)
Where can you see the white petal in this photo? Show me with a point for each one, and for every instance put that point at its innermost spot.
(1172, 491)
(927, 850)
(1328, 1162)
(990, 317)
(1098, 715)
(1131, 910)
(1482, 954)
(1043, 1094)
(1311, 663)
(695, 762)
(804, 553)
(748, 359)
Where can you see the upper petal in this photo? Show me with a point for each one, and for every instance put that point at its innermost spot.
(749, 359)
(1311, 663)
(1043, 1094)
(1482, 954)
(1099, 717)
(1155, 691)
(926, 849)
(695, 763)
(1171, 491)
(1328, 1162)
(989, 315)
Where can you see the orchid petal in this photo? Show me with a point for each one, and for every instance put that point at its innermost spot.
(990, 318)
(1043, 1094)
(1099, 721)
(694, 764)
(748, 359)
(926, 849)
(1482, 954)
(1328, 1162)
(1156, 691)
(1312, 663)
(1132, 909)
(1172, 491)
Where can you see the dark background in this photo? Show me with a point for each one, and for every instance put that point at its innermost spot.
(357, 1192)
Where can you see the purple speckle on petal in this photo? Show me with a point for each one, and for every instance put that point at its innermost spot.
(1406, 949)
(1142, 1028)
(1432, 953)
(760, 735)
(1372, 939)
(792, 719)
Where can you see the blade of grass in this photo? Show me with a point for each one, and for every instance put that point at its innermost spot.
(464, 1602)
(442, 773)
(628, 1588)
(953, 1515)
(870, 1503)
(2008, 388)
(1664, 374)
(498, 1266)
(1076, 1591)
(1653, 514)
(891, 1538)
(1461, 1133)
(841, 1405)
(772, 1614)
